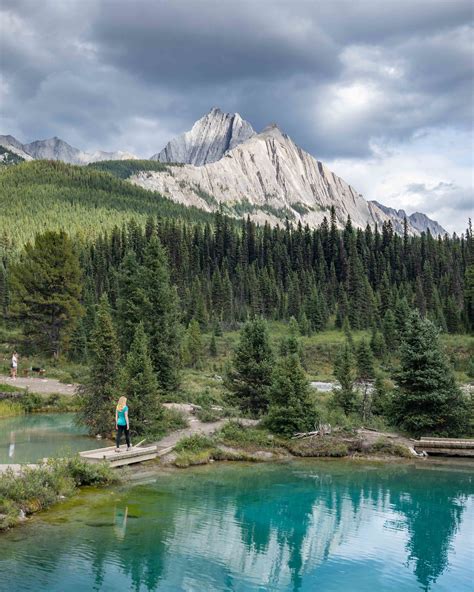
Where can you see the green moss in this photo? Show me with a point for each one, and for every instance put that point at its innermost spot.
(35, 489)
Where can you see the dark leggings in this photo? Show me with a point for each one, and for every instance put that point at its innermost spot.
(121, 429)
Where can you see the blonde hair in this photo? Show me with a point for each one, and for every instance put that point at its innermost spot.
(121, 403)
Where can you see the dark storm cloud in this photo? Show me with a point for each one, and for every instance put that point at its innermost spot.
(339, 76)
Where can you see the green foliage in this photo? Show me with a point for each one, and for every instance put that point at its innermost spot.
(51, 195)
(384, 446)
(46, 286)
(123, 169)
(9, 158)
(10, 408)
(193, 346)
(160, 315)
(238, 435)
(427, 399)
(139, 384)
(344, 372)
(365, 361)
(34, 489)
(194, 443)
(100, 394)
(314, 447)
(250, 376)
(291, 409)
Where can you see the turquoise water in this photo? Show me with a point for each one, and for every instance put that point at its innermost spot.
(32, 437)
(301, 526)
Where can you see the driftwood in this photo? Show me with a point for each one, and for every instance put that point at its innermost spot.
(324, 430)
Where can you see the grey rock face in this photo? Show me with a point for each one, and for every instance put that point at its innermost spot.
(270, 178)
(57, 149)
(12, 144)
(418, 221)
(208, 140)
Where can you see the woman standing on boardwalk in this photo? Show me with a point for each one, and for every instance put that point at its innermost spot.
(122, 423)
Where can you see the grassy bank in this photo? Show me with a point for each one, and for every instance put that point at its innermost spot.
(35, 489)
(35, 403)
(238, 442)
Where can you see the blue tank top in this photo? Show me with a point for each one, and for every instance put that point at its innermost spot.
(121, 416)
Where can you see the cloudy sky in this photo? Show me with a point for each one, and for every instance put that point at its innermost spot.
(382, 91)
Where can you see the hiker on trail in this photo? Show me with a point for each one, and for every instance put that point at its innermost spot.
(121, 423)
(14, 365)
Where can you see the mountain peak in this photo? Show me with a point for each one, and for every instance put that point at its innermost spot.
(208, 140)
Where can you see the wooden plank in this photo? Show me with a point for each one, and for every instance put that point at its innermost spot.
(466, 452)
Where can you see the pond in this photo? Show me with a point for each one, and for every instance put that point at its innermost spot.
(29, 438)
(299, 526)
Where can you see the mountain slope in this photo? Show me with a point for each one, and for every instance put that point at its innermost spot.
(270, 178)
(57, 149)
(419, 221)
(44, 195)
(208, 140)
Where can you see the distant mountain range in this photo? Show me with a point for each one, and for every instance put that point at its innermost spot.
(225, 164)
(57, 149)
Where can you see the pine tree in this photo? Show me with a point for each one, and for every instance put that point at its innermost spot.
(291, 408)
(100, 393)
(344, 396)
(46, 285)
(427, 399)
(194, 348)
(250, 376)
(160, 315)
(290, 344)
(213, 346)
(132, 300)
(139, 384)
(377, 343)
(390, 332)
(365, 372)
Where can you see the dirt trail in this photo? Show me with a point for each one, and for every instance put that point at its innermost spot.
(195, 426)
(45, 386)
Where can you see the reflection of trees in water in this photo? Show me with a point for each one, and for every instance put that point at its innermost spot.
(288, 522)
(433, 511)
(431, 501)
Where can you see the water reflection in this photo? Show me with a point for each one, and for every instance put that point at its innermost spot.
(306, 526)
(29, 438)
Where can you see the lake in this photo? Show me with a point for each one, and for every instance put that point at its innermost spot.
(298, 526)
(32, 437)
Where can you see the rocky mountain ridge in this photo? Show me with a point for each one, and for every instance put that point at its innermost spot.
(224, 164)
(269, 178)
(57, 149)
(208, 140)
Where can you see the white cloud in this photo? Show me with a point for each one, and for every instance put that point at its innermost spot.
(430, 174)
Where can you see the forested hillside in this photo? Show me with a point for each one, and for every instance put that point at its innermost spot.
(47, 195)
(224, 273)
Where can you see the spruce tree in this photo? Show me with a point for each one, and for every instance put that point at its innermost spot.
(213, 346)
(291, 408)
(194, 348)
(345, 396)
(427, 399)
(365, 372)
(100, 394)
(46, 286)
(250, 375)
(160, 315)
(139, 384)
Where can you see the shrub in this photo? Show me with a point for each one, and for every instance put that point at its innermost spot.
(37, 488)
(329, 447)
(384, 446)
(236, 434)
(194, 443)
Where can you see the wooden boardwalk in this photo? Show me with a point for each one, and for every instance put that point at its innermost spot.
(445, 446)
(136, 454)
